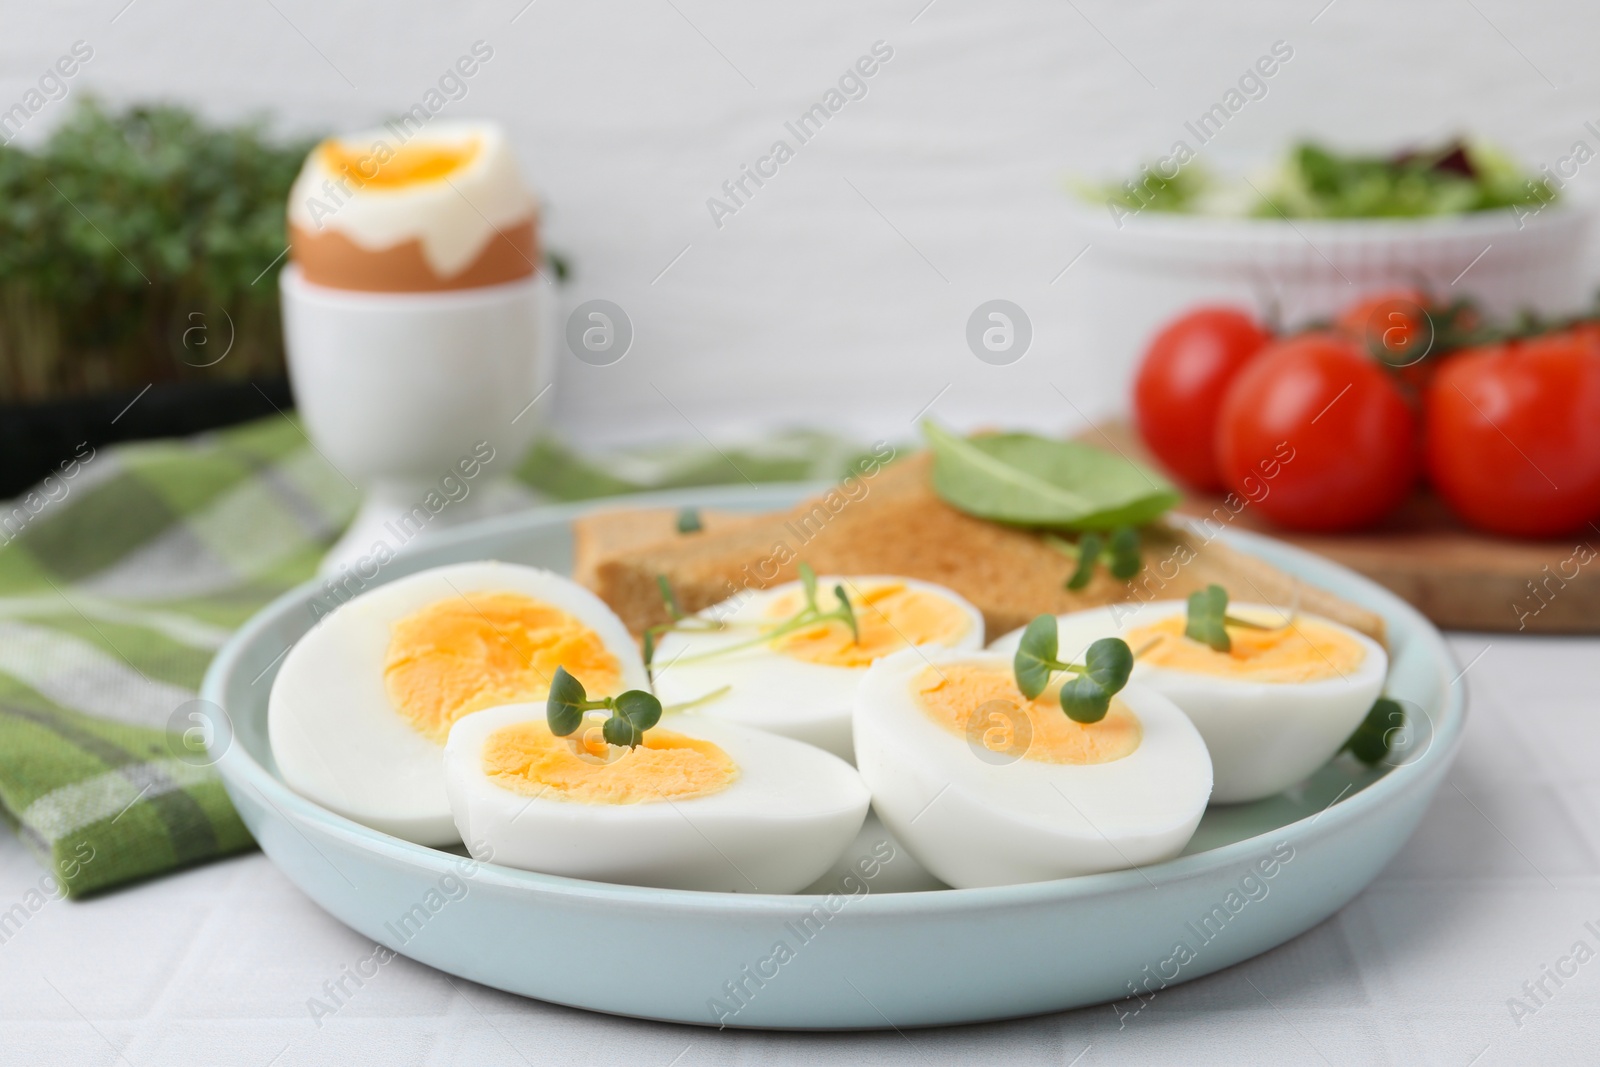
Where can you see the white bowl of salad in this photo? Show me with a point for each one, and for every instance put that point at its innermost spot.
(1304, 238)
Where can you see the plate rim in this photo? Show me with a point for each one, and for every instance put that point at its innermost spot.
(237, 767)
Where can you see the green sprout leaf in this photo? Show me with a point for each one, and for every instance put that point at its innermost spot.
(808, 582)
(1087, 697)
(808, 615)
(648, 646)
(638, 707)
(1088, 554)
(1029, 480)
(566, 703)
(689, 521)
(1126, 560)
(1109, 662)
(703, 698)
(1208, 620)
(848, 612)
(619, 731)
(632, 714)
(1036, 656)
(1370, 743)
(1084, 700)
(668, 597)
(1208, 608)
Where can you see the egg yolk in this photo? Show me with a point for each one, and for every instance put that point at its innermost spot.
(410, 164)
(982, 703)
(477, 651)
(528, 759)
(890, 616)
(1308, 651)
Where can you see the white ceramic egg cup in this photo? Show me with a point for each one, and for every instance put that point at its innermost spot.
(405, 393)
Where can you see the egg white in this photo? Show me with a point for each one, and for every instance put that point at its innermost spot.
(974, 820)
(767, 690)
(775, 829)
(1263, 736)
(336, 737)
(452, 220)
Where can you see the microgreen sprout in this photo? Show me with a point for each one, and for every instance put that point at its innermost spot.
(1085, 697)
(1120, 550)
(1126, 560)
(689, 521)
(669, 597)
(1373, 738)
(680, 621)
(1088, 555)
(703, 698)
(810, 614)
(630, 714)
(1208, 619)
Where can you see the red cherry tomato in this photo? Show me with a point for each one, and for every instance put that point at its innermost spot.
(1394, 326)
(1512, 434)
(1407, 331)
(1316, 435)
(1181, 382)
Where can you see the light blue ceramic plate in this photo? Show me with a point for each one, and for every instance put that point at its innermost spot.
(867, 956)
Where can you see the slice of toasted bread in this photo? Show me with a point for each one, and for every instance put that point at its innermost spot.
(603, 535)
(893, 523)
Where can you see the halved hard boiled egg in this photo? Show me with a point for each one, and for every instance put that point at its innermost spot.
(802, 684)
(986, 787)
(361, 708)
(700, 804)
(1272, 710)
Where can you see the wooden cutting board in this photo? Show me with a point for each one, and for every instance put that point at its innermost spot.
(1459, 578)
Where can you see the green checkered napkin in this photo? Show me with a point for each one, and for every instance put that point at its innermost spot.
(118, 584)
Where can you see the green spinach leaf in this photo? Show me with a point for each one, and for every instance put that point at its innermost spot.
(1029, 480)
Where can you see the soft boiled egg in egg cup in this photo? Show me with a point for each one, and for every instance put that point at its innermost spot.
(698, 804)
(802, 684)
(985, 787)
(361, 708)
(413, 210)
(1273, 709)
(418, 326)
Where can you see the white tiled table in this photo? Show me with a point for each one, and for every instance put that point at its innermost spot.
(216, 965)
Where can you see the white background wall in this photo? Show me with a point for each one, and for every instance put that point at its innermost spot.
(841, 292)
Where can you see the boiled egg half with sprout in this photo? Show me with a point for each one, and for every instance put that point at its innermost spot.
(986, 787)
(744, 663)
(1274, 708)
(362, 706)
(698, 804)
